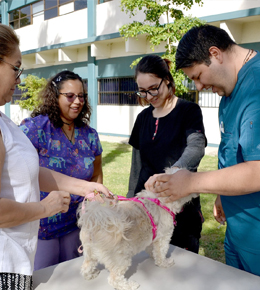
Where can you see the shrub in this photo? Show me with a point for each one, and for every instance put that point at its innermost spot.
(31, 87)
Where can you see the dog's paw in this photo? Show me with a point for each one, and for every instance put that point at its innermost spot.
(123, 284)
(166, 263)
(90, 274)
(133, 285)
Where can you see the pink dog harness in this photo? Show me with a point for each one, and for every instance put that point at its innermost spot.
(156, 201)
(113, 199)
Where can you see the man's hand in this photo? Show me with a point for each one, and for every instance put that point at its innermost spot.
(153, 181)
(218, 211)
(174, 186)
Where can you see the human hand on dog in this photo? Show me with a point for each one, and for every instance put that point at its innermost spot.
(218, 211)
(173, 186)
(91, 187)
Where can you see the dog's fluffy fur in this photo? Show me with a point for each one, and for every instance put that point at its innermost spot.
(112, 235)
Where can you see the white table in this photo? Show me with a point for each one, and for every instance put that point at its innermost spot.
(190, 272)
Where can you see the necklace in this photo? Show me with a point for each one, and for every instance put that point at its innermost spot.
(156, 128)
(68, 124)
(72, 134)
(162, 115)
(250, 52)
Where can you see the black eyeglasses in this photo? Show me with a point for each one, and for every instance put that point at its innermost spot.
(72, 97)
(17, 70)
(153, 92)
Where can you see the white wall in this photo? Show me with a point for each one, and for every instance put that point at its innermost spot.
(210, 119)
(17, 114)
(213, 7)
(73, 26)
(119, 120)
(110, 17)
(2, 109)
(65, 28)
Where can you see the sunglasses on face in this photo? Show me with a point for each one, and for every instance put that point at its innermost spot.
(18, 71)
(72, 97)
(153, 92)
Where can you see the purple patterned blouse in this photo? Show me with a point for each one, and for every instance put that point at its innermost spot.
(57, 153)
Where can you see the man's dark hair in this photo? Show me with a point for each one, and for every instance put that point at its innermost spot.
(194, 46)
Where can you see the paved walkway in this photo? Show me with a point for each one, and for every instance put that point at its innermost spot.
(210, 150)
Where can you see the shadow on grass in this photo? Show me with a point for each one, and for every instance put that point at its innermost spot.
(113, 150)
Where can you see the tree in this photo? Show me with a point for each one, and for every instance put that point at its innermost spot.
(157, 32)
(31, 88)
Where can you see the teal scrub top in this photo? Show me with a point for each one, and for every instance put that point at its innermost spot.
(239, 121)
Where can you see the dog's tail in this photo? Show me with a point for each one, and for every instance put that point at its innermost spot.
(102, 217)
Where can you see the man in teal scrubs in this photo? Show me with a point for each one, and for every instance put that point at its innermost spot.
(209, 57)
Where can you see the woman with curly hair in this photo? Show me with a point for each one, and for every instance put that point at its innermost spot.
(59, 130)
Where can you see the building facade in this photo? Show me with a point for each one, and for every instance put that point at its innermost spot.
(83, 36)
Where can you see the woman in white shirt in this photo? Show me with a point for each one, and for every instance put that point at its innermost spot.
(21, 181)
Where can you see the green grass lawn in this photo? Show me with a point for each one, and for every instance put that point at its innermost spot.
(212, 236)
(116, 169)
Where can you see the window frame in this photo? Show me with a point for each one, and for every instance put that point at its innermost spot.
(204, 98)
(103, 1)
(119, 95)
(17, 96)
(57, 6)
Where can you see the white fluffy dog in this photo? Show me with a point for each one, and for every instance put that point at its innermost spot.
(112, 235)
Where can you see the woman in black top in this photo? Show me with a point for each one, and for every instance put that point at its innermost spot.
(168, 133)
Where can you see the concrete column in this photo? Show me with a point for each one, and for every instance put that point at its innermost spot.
(92, 69)
(92, 17)
(92, 88)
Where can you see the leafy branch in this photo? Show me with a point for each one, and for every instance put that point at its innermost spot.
(31, 88)
(157, 30)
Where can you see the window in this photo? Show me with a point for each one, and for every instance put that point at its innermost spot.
(85, 83)
(20, 18)
(37, 8)
(80, 4)
(103, 1)
(17, 95)
(205, 98)
(50, 13)
(55, 8)
(117, 91)
(191, 96)
(50, 8)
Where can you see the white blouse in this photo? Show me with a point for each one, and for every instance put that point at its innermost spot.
(19, 182)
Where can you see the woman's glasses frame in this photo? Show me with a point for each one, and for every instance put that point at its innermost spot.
(71, 97)
(143, 93)
(17, 70)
